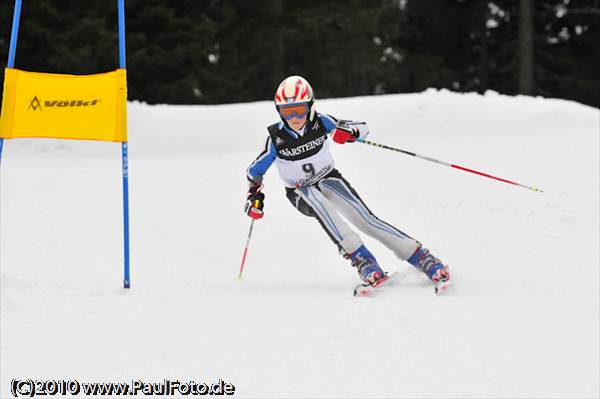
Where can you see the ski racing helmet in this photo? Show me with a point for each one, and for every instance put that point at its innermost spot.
(293, 91)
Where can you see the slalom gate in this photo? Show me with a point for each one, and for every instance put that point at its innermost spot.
(78, 107)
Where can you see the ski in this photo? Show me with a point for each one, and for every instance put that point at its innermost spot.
(442, 287)
(365, 290)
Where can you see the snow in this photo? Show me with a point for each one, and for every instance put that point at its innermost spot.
(523, 319)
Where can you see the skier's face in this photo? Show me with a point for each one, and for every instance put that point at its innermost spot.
(297, 123)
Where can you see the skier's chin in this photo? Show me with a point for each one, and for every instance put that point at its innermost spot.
(298, 128)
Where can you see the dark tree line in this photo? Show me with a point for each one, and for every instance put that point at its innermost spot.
(221, 51)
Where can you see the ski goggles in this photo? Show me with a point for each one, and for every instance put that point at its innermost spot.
(288, 112)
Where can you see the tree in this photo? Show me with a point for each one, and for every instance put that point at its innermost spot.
(218, 51)
(526, 47)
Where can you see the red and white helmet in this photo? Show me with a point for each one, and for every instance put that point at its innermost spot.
(295, 90)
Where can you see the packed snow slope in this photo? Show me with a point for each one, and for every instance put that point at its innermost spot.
(523, 319)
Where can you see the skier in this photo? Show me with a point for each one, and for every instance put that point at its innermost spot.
(299, 147)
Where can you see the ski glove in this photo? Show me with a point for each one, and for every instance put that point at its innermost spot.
(349, 131)
(254, 203)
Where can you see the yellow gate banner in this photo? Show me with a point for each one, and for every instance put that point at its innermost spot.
(80, 107)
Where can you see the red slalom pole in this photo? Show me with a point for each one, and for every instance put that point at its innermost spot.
(246, 250)
(448, 164)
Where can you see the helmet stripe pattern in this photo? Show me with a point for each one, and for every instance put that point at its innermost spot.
(294, 89)
(305, 93)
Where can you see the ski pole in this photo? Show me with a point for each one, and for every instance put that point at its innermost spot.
(447, 164)
(246, 249)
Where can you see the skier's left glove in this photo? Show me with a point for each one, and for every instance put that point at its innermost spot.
(349, 131)
(254, 203)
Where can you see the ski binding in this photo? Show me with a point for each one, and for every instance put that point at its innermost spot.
(365, 289)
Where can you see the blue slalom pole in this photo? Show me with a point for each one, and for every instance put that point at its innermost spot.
(14, 36)
(122, 56)
(126, 279)
(122, 65)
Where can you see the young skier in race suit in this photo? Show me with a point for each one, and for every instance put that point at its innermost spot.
(298, 145)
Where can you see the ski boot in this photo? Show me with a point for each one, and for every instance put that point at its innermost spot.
(441, 278)
(366, 264)
(433, 268)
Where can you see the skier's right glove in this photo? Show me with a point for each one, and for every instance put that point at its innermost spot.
(254, 203)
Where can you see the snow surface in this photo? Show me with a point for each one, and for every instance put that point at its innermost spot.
(522, 321)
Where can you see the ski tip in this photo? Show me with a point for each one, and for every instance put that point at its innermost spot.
(443, 288)
(361, 291)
